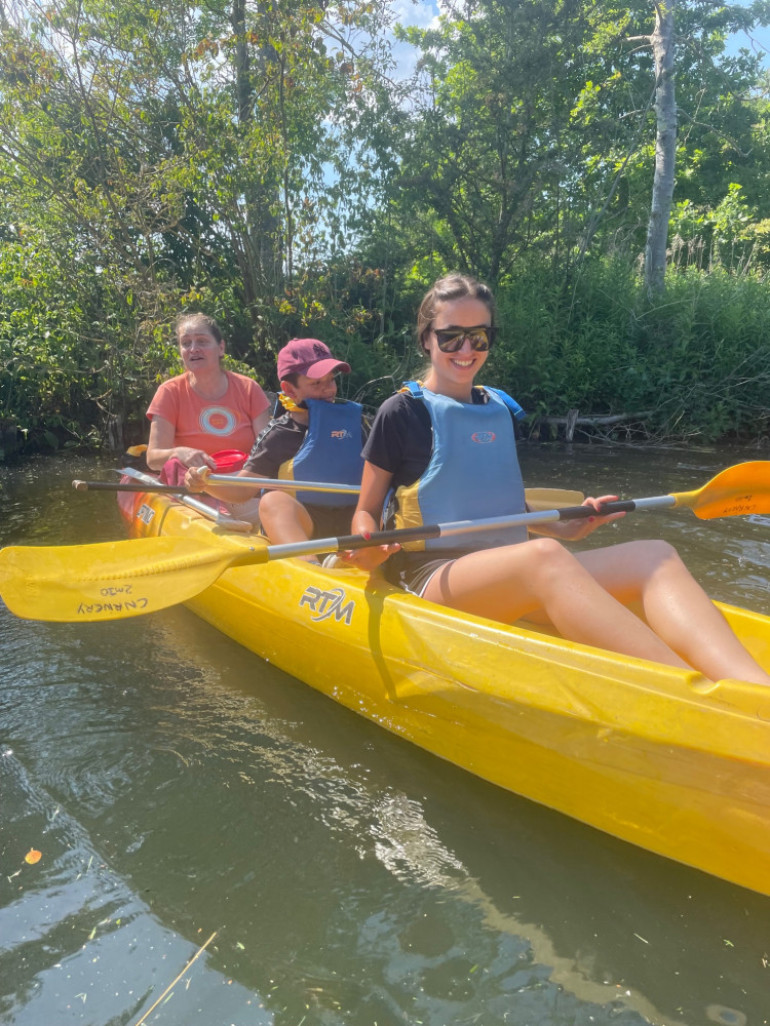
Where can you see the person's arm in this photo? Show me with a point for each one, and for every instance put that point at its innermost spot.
(161, 447)
(264, 462)
(375, 483)
(260, 423)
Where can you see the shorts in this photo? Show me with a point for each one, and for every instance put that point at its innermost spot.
(247, 510)
(413, 570)
(330, 521)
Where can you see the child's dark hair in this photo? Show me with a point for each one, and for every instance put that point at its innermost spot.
(453, 286)
(198, 318)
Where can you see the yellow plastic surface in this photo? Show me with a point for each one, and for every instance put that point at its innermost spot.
(644, 752)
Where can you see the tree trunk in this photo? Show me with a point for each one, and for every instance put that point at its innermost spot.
(663, 49)
(258, 244)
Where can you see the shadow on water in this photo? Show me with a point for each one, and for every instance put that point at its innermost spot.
(178, 786)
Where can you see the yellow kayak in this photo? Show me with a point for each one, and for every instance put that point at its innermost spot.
(647, 753)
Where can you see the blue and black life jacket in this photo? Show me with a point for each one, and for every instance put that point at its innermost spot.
(330, 451)
(473, 471)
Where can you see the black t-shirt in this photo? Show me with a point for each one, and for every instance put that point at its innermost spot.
(401, 439)
(279, 442)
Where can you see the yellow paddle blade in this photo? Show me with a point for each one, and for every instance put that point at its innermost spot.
(109, 580)
(551, 498)
(736, 492)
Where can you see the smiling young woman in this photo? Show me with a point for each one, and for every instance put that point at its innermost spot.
(446, 449)
(206, 409)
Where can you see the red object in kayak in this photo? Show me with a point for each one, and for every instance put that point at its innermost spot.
(229, 461)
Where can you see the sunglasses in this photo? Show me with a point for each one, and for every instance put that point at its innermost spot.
(450, 340)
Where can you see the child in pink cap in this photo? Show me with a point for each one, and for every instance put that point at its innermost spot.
(317, 438)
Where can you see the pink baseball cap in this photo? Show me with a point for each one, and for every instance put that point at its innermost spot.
(310, 357)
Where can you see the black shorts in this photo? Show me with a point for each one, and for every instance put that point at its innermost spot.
(412, 570)
(330, 521)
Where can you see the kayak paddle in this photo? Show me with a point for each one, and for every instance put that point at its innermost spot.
(537, 498)
(115, 580)
(231, 480)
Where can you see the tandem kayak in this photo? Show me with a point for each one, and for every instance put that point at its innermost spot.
(653, 755)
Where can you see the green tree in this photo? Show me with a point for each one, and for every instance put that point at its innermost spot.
(188, 154)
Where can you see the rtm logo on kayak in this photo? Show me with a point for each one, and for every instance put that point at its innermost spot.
(145, 513)
(327, 603)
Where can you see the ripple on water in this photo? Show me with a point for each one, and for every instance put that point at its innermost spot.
(77, 944)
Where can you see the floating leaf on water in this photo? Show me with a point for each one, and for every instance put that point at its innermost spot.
(33, 856)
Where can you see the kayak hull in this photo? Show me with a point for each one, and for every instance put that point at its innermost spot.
(650, 754)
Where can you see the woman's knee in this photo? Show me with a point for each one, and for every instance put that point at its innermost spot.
(648, 561)
(549, 558)
(277, 502)
(277, 506)
(656, 553)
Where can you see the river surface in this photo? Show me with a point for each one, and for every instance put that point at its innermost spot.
(185, 794)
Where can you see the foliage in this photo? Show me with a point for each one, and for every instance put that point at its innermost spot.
(259, 161)
(697, 364)
(184, 154)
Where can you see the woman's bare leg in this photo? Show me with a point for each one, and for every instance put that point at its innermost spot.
(675, 606)
(510, 582)
(583, 598)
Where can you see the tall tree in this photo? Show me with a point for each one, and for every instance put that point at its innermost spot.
(663, 46)
(696, 30)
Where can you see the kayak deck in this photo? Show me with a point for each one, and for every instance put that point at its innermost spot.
(651, 754)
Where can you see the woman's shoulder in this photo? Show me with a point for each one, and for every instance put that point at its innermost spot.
(400, 403)
(242, 381)
(171, 389)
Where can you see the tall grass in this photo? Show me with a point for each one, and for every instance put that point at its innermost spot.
(697, 360)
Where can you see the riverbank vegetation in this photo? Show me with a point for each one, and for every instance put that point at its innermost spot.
(272, 165)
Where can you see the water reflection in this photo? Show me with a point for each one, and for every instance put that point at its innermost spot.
(77, 945)
(177, 786)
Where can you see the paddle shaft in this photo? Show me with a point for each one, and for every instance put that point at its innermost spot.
(457, 527)
(127, 486)
(539, 498)
(251, 483)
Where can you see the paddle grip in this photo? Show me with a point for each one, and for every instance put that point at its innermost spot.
(405, 534)
(359, 541)
(582, 512)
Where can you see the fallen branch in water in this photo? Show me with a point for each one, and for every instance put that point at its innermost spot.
(173, 983)
(573, 420)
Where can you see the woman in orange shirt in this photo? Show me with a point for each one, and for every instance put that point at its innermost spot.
(206, 409)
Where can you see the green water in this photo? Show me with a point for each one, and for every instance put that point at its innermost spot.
(178, 787)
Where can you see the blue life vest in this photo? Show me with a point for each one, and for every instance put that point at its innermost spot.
(473, 471)
(330, 451)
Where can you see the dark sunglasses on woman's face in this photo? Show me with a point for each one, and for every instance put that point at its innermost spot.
(450, 340)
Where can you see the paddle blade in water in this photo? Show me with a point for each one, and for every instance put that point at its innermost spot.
(107, 581)
(738, 491)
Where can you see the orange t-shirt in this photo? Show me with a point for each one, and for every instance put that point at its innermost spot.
(224, 423)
